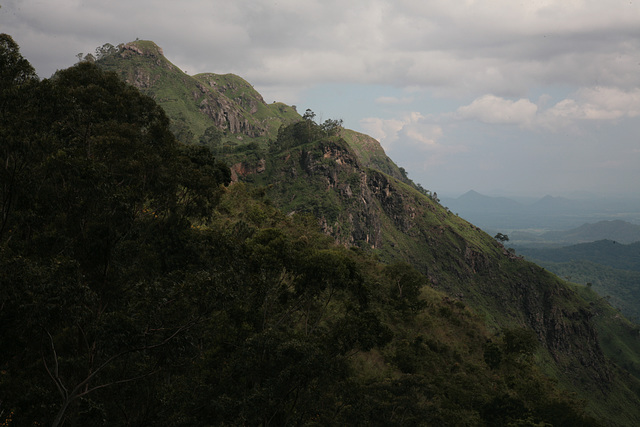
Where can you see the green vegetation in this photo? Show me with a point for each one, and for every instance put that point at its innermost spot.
(141, 291)
(195, 103)
(618, 286)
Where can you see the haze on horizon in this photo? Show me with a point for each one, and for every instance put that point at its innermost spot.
(532, 98)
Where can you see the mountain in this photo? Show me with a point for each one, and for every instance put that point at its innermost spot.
(143, 290)
(364, 201)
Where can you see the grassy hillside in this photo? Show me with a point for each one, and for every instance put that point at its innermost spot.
(196, 103)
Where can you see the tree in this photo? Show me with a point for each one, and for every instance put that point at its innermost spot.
(212, 138)
(501, 237)
(308, 117)
(331, 127)
(15, 71)
(18, 81)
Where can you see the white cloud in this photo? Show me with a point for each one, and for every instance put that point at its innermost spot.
(597, 104)
(495, 110)
(412, 130)
(384, 130)
(425, 135)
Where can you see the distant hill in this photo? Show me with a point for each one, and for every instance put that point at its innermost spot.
(616, 230)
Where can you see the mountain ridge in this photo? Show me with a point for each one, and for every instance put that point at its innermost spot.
(325, 172)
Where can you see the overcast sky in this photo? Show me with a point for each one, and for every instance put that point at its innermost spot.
(501, 96)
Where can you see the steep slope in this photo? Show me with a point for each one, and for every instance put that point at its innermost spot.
(619, 287)
(612, 269)
(363, 200)
(365, 207)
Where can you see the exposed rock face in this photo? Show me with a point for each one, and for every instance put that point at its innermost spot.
(392, 202)
(249, 104)
(243, 169)
(227, 117)
(151, 50)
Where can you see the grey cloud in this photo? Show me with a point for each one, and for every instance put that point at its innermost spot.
(498, 47)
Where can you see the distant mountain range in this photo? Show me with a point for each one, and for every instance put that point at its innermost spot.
(548, 213)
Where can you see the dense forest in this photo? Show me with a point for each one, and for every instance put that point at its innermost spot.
(140, 288)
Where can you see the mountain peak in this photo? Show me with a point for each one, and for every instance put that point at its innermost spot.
(472, 194)
(142, 47)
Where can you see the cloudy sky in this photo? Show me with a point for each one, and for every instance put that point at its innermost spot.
(501, 96)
